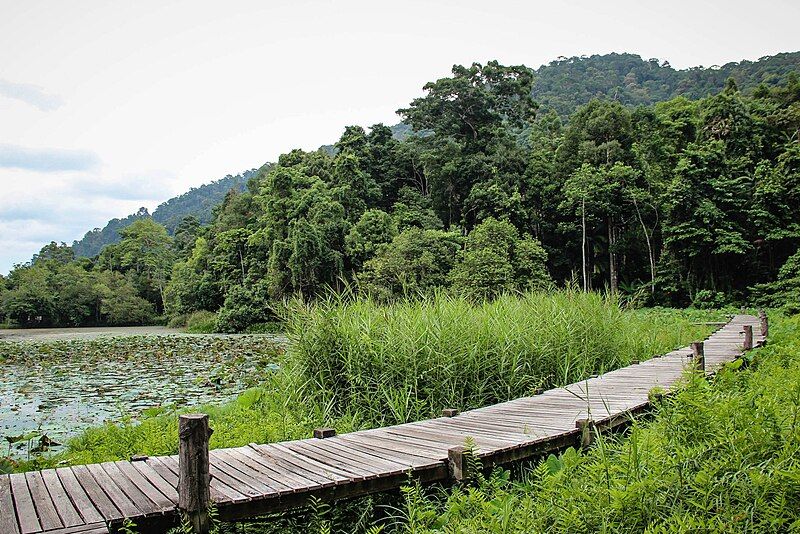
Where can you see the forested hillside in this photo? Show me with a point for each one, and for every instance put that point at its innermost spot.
(682, 202)
(567, 83)
(198, 202)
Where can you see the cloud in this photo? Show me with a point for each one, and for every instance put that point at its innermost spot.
(46, 159)
(150, 185)
(30, 94)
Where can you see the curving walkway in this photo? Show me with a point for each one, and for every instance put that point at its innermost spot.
(259, 479)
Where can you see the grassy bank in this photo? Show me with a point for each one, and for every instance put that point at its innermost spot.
(355, 365)
(721, 456)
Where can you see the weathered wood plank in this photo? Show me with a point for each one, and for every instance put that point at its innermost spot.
(106, 485)
(8, 518)
(80, 497)
(69, 515)
(150, 491)
(23, 503)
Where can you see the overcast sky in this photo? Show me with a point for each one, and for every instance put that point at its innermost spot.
(108, 106)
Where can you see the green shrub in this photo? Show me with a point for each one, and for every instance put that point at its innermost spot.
(201, 322)
(177, 321)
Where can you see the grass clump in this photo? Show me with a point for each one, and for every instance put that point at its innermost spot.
(406, 361)
(720, 456)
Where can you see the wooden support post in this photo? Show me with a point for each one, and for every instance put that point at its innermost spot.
(634, 362)
(194, 478)
(449, 412)
(458, 458)
(587, 428)
(762, 315)
(748, 337)
(699, 355)
(323, 433)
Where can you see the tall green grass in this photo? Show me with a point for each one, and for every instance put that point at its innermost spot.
(404, 361)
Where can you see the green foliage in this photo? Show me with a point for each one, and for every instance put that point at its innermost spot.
(201, 322)
(496, 260)
(663, 205)
(408, 360)
(416, 261)
(717, 457)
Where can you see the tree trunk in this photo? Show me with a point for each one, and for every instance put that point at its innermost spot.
(613, 275)
(583, 246)
(650, 254)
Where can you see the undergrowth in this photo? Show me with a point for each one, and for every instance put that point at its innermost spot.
(720, 456)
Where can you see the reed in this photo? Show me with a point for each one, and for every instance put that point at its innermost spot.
(408, 360)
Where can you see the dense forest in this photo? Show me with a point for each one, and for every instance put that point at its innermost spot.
(683, 202)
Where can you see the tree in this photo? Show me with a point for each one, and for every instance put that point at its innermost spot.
(373, 229)
(495, 260)
(416, 261)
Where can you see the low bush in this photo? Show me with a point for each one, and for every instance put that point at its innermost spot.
(201, 322)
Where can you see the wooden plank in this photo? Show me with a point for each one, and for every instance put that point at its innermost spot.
(231, 484)
(312, 455)
(386, 442)
(340, 450)
(220, 492)
(289, 474)
(94, 528)
(141, 483)
(84, 503)
(153, 477)
(136, 495)
(241, 472)
(8, 519)
(107, 486)
(260, 470)
(302, 466)
(385, 451)
(23, 501)
(356, 470)
(79, 497)
(161, 465)
(70, 517)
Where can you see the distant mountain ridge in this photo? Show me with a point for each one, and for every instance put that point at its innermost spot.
(566, 83)
(198, 201)
(562, 85)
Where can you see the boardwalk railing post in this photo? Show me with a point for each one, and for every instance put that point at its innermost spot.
(588, 430)
(462, 462)
(699, 355)
(762, 315)
(748, 337)
(324, 433)
(449, 412)
(194, 478)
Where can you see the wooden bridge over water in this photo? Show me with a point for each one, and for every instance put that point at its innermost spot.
(261, 479)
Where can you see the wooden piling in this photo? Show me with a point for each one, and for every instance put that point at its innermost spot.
(587, 428)
(699, 355)
(194, 478)
(762, 316)
(449, 412)
(748, 337)
(459, 463)
(324, 433)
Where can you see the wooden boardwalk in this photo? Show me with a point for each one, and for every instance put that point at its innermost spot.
(258, 479)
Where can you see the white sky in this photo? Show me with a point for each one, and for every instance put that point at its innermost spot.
(108, 106)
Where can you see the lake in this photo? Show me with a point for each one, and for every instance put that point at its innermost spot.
(57, 382)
